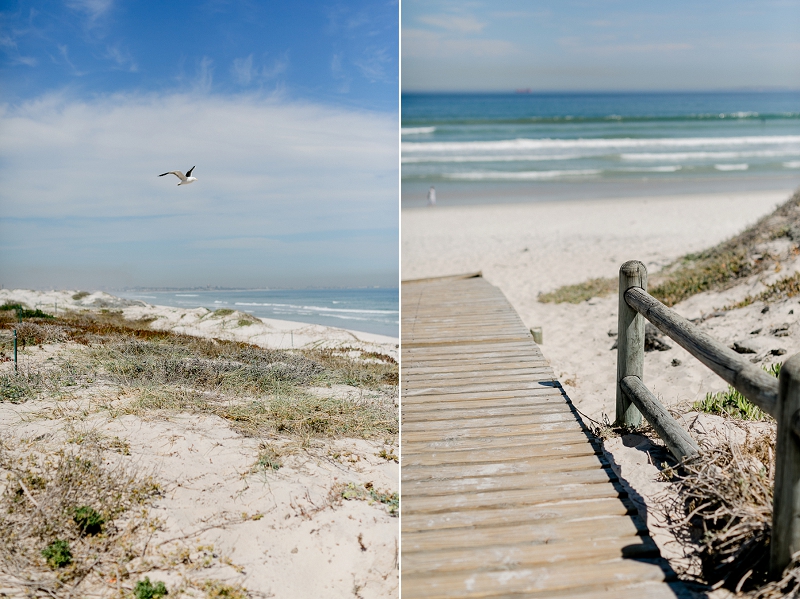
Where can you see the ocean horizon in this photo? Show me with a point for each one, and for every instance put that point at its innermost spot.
(478, 146)
(366, 309)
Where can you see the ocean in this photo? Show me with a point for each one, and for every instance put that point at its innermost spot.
(528, 147)
(371, 310)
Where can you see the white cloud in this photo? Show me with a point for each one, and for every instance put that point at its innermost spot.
(462, 24)
(242, 70)
(93, 9)
(372, 62)
(245, 73)
(338, 73)
(12, 49)
(124, 60)
(205, 75)
(279, 67)
(266, 169)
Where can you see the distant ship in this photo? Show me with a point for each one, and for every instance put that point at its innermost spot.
(523, 90)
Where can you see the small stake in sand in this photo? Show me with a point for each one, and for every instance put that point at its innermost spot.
(15, 351)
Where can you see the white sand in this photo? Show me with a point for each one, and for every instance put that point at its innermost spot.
(525, 249)
(304, 540)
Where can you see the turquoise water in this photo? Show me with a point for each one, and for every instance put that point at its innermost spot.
(372, 310)
(558, 143)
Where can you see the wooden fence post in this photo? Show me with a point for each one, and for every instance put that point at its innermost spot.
(630, 341)
(786, 496)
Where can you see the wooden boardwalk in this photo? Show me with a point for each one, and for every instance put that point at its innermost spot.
(504, 494)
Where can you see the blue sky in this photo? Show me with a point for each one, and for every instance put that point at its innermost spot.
(566, 45)
(289, 110)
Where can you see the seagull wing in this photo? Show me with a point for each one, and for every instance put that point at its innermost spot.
(189, 172)
(178, 174)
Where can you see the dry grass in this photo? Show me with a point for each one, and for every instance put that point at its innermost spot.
(70, 520)
(725, 518)
(715, 269)
(783, 289)
(258, 390)
(575, 294)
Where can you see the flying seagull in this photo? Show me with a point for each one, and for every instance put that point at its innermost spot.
(185, 179)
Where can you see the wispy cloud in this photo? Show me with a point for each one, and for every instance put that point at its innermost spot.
(451, 22)
(93, 9)
(63, 49)
(205, 75)
(339, 74)
(244, 72)
(123, 59)
(12, 50)
(372, 64)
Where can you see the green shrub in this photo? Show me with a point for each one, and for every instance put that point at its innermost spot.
(732, 404)
(145, 589)
(23, 312)
(80, 295)
(89, 520)
(57, 554)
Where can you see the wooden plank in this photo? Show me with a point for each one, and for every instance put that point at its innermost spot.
(422, 397)
(493, 482)
(560, 511)
(486, 421)
(485, 431)
(532, 582)
(456, 405)
(513, 556)
(547, 531)
(456, 470)
(517, 498)
(502, 454)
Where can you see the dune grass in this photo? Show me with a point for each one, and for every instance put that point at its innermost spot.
(575, 294)
(258, 390)
(717, 268)
(68, 515)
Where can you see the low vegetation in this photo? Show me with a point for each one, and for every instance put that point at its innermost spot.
(258, 390)
(717, 268)
(70, 517)
(732, 404)
(723, 518)
(74, 515)
(575, 294)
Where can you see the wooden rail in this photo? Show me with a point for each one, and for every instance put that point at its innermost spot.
(780, 399)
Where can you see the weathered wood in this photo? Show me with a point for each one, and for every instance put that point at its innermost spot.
(630, 341)
(679, 442)
(498, 471)
(750, 380)
(538, 582)
(457, 470)
(561, 511)
(499, 556)
(786, 496)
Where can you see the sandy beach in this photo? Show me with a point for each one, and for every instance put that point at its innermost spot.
(527, 249)
(238, 514)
